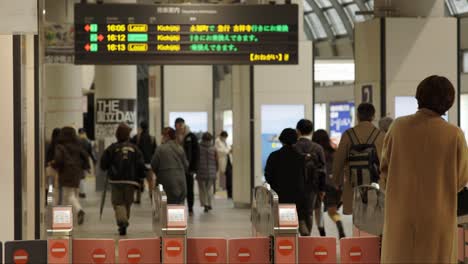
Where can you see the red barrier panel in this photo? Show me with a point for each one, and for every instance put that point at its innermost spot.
(317, 250)
(285, 249)
(174, 250)
(249, 250)
(466, 244)
(59, 252)
(360, 250)
(140, 251)
(206, 250)
(461, 245)
(93, 251)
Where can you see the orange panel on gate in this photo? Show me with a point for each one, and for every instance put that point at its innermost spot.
(140, 251)
(317, 250)
(461, 245)
(360, 250)
(93, 251)
(173, 250)
(249, 250)
(285, 249)
(58, 251)
(206, 250)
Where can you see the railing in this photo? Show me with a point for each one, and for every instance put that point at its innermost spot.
(264, 213)
(159, 204)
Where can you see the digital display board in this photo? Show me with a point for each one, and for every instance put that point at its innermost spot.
(186, 34)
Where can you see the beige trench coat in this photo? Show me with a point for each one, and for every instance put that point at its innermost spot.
(340, 163)
(424, 164)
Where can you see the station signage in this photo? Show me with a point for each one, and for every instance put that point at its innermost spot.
(186, 34)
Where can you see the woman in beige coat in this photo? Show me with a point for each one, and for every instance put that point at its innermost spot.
(424, 164)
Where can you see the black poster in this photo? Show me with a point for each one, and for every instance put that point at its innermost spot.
(186, 34)
(112, 112)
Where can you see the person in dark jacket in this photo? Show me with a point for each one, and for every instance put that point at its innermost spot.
(70, 161)
(285, 172)
(332, 199)
(206, 175)
(147, 145)
(125, 165)
(189, 142)
(51, 174)
(316, 189)
(88, 147)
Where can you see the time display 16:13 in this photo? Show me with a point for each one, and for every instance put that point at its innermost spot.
(116, 47)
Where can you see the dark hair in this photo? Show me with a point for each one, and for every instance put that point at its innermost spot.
(436, 93)
(207, 137)
(68, 135)
(169, 132)
(144, 126)
(366, 112)
(322, 138)
(288, 137)
(81, 131)
(54, 138)
(305, 126)
(179, 120)
(123, 132)
(224, 134)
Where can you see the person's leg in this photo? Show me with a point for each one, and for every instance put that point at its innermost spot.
(137, 192)
(202, 192)
(210, 185)
(69, 198)
(190, 194)
(82, 193)
(129, 191)
(120, 208)
(302, 215)
(336, 217)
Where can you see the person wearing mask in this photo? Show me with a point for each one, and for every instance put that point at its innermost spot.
(424, 165)
(314, 192)
(206, 175)
(189, 142)
(88, 147)
(332, 195)
(364, 132)
(124, 164)
(71, 161)
(147, 145)
(285, 172)
(384, 123)
(223, 151)
(170, 166)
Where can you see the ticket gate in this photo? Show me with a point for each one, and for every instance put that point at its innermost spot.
(463, 239)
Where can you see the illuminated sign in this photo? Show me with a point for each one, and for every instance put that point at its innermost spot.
(186, 34)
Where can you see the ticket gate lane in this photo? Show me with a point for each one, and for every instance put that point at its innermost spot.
(249, 250)
(141, 251)
(317, 250)
(93, 251)
(206, 250)
(360, 250)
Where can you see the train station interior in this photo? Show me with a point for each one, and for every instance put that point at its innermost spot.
(235, 74)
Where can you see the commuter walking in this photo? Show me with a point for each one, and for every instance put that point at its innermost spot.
(189, 142)
(124, 164)
(147, 145)
(206, 175)
(51, 173)
(88, 147)
(424, 165)
(315, 188)
(385, 123)
(71, 162)
(170, 166)
(223, 151)
(332, 199)
(285, 172)
(364, 133)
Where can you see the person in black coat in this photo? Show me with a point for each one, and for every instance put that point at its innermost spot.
(285, 172)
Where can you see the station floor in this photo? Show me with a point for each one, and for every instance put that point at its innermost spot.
(223, 221)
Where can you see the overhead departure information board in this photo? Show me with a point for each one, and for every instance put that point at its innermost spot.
(186, 34)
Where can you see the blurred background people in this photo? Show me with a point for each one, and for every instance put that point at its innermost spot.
(223, 151)
(206, 175)
(88, 147)
(51, 173)
(384, 123)
(170, 166)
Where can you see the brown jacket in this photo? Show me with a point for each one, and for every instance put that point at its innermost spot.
(340, 164)
(424, 164)
(70, 161)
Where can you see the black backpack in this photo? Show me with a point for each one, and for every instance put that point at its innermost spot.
(364, 165)
(314, 169)
(123, 162)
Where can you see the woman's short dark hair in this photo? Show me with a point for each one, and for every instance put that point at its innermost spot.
(436, 93)
(224, 134)
(207, 137)
(366, 112)
(68, 135)
(288, 136)
(305, 126)
(322, 138)
(144, 125)
(169, 132)
(123, 132)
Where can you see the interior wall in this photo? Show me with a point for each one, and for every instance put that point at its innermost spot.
(223, 102)
(278, 84)
(188, 89)
(415, 49)
(6, 140)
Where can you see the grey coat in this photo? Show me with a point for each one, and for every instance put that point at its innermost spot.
(169, 164)
(207, 168)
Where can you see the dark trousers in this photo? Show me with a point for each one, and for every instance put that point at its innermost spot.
(190, 193)
(122, 199)
(305, 212)
(228, 174)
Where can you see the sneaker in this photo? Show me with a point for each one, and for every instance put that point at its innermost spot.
(82, 195)
(81, 215)
(123, 230)
(206, 209)
(209, 207)
(190, 213)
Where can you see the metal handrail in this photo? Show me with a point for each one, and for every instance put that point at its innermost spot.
(264, 214)
(159, 201)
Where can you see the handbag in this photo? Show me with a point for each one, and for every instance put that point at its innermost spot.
(368, 209)
(462, 208)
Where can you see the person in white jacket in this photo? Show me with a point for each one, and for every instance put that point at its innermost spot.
(223, 151)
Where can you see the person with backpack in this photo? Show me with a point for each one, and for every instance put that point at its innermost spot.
(170, 166)
(332, 199)
(206, 175)
(125, 165)
(147, 145)
(315, 178)
(357, 158)
(285, 171)
(424, 165)
(71, 161)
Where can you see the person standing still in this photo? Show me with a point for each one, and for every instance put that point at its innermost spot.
(206, 175)
(189, 142)
(223, 151)
(124, 164)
